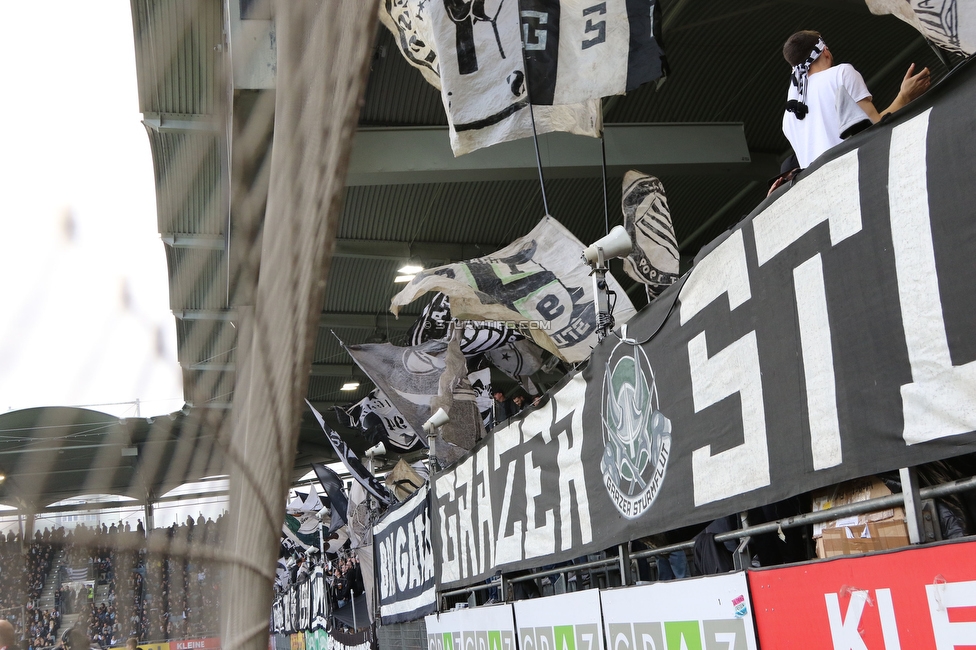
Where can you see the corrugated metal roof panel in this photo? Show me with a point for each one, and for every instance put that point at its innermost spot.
(203, 341)
(397, 94)
(327, 389)
(189, 183)
(197, 278)
(179, 44)
(361, 285)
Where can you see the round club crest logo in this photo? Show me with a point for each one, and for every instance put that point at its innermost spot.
(636, 435)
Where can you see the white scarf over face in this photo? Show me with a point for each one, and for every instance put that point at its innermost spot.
(800, 74)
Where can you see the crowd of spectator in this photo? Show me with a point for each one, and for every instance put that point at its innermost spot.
(346, 579)
(109, 584)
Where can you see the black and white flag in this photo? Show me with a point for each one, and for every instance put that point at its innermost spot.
(537, 283)
(577, 51)
(379, 421)
(480, 381)
(405, 567)
(337, 499)
(407, 376)
(434, 321)
(647, 218)
(351, 461)
(519, 360)
(476, 337)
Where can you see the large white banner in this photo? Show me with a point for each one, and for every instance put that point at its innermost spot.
(484, 628)
(565, 622)
(576, 51)
(828, 336)
(698, 614)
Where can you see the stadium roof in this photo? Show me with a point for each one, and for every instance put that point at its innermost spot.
(711, 132)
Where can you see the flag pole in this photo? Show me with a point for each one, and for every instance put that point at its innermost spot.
(606, 201)
(528, 94)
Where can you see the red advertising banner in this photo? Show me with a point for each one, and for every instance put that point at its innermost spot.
(211, 643)
(913, 599)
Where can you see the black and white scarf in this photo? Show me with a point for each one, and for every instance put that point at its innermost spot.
(800, 73)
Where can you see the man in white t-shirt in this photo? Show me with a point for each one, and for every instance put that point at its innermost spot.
(811, 121)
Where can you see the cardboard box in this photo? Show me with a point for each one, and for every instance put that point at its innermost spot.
(864, 538)
(875, 531)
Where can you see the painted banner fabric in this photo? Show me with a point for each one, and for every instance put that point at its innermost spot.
(827, 337)
(303, 606)
(380, 422)
(476, 337)
(490, 627)
(351, 461)
(570, 620)
(519, 360)
(403, 561)
(505, 115)
(950, 24)
(537, 281)
(647, 219)
(408, 376)
(338, 504)
(291, 529)
(921, 598)
(710, 612)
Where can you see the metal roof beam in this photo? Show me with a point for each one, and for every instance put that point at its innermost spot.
(364, 321)
(424, 154)
(222, 406)
(336, 370)
(361, 248)
(211, 366)
(327, 406)
(193, 240)
(181, 123)
(401, 250)
(206, 314)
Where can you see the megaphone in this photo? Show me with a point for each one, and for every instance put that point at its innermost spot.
(379, 449)
(616, 243)
(437, 420)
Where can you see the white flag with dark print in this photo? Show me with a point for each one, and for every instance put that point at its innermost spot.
(576, 52)
(647, 218)
(950, 24)
(378, 421)
(537, 281)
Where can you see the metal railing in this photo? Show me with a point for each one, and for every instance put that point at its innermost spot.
(620, 564)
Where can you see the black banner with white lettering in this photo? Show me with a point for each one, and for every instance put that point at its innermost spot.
(828, 336)
(403, 561)
(303, 606)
